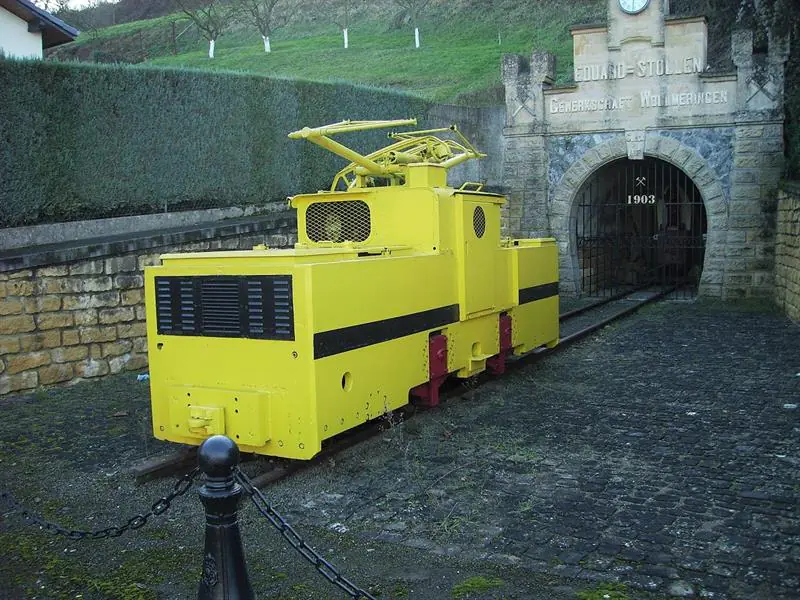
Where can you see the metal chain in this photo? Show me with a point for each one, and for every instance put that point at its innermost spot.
(160, 506)
(325, 568)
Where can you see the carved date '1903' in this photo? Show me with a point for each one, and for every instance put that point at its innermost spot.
(642, 199)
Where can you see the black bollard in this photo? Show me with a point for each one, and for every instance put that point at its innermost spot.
(224, 570)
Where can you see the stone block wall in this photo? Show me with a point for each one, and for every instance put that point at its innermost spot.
(81, 317)
(787, 251)
(758, 164)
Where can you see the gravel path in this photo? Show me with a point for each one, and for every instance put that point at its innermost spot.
(657, 459)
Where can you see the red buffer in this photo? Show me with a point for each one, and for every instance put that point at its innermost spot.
(497, 363)
(428, 392)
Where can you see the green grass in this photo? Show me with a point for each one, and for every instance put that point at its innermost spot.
(459, 59)
(475, 585)
(448, 65)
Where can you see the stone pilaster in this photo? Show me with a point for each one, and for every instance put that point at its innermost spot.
(525, 156)
(524, 80)
(760, 79)
(758, 165)
(758, 160)
(515, 71)
(525, 175)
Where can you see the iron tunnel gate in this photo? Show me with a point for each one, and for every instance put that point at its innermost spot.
(639, 222)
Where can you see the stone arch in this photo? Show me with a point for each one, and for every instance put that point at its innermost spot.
(563, 202)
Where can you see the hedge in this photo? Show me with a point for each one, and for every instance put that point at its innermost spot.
(89, 141)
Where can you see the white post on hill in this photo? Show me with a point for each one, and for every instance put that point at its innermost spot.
(416, 37)
(346, 42)
(267, 47)
(211, 48)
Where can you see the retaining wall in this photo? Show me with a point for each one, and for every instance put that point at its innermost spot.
(787, 251)
(74, 312)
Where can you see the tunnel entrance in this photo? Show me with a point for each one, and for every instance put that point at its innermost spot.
(639, 222)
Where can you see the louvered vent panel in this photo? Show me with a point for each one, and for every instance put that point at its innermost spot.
(255, 307)
(338, 221)
(219, 305)
(226, 306)
(282, 301)
(186, 306)
(164, 312)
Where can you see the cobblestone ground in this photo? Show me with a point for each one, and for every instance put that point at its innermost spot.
(661, 453)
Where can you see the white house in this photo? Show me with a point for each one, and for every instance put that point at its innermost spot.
(26, 30)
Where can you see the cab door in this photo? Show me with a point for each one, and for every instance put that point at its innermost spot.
(481, 238)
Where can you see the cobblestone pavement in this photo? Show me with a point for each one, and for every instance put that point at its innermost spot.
(662, 453)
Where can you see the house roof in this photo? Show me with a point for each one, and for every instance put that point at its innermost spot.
(54, 30)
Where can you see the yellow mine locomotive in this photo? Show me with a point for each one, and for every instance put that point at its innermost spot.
(396, 282)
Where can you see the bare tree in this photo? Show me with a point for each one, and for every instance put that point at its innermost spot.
(211, 17)
(414, 8)
(340, 14)
(92, 16)
(266, 15)
(89, 19)
(52, 6)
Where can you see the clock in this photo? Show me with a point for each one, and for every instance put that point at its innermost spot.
(633, 7)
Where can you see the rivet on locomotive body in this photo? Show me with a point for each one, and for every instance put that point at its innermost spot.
(294, 354)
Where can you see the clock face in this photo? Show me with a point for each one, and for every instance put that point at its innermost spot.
(633, 6)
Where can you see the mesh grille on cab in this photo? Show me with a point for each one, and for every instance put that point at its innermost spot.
(338, 221)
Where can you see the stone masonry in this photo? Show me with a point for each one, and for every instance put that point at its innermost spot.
(787, 252)
(84, 317)
(642, 88)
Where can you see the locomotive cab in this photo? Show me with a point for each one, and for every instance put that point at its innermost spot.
(390, 289)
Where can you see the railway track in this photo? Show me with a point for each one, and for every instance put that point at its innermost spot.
(576, 324)
(581, 321)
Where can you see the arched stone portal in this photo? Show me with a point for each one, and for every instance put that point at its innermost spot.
(638, 223)
(642, 89)
(689, 203)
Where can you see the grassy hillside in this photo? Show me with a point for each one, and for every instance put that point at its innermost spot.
(459, 59)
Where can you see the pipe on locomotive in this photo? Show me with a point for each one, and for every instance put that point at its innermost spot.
(319, 136)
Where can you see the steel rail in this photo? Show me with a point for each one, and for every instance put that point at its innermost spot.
(595, 326)
(582, 309)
